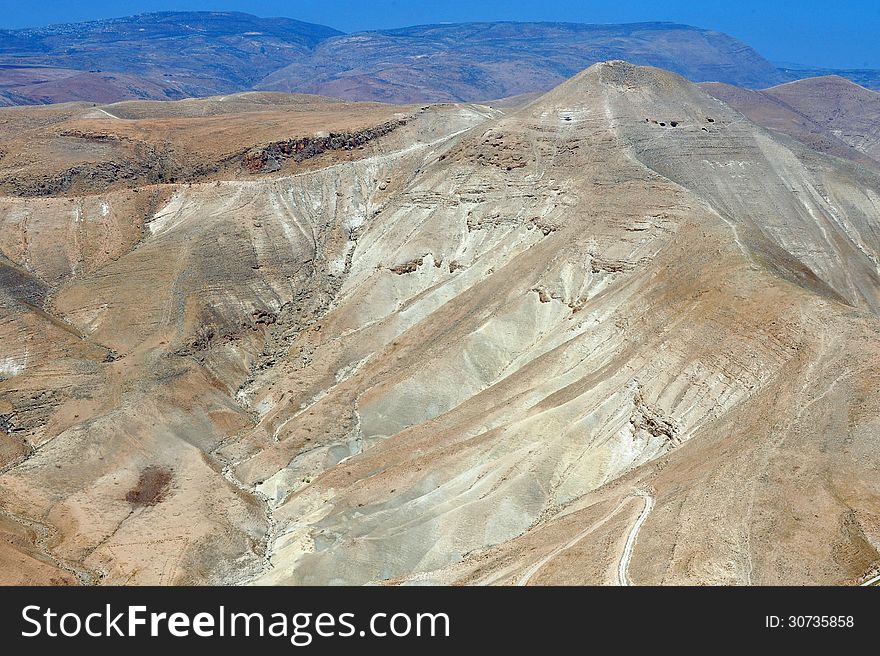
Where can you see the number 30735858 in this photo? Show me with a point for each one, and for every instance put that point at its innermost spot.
(809, 621)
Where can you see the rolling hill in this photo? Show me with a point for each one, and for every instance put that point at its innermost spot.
(831, 114)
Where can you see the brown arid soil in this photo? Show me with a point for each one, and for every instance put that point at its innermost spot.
(151, 487)
(616, 334)
(76, 149)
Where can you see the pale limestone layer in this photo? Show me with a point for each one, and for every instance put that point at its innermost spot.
(567, 344)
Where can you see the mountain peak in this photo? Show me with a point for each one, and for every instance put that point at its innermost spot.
(646, 81)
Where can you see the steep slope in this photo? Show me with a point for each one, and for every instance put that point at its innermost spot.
(849, 111)
(621, 334)
(479, 61)
(605, 323)
(132, 318)
(829, 114)
(789, 200)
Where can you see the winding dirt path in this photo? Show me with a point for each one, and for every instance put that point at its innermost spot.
(537, 566)
(626, 556)
(871, 581)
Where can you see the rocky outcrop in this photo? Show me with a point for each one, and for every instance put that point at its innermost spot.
(150, 168)
(271, 157)
(651, 419)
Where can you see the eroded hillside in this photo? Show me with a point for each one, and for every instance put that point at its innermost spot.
(621, 334)
(830, 114)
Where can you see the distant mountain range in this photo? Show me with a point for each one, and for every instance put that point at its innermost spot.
(173, 55)
(158, 56)
(474, 61)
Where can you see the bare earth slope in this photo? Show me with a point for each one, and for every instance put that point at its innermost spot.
(849, 111)
(619, 335)
(83, 148)
(830, 114)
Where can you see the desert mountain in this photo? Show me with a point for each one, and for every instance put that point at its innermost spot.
(830, 114)
(176, 54)
(864, 77)
(620, 334)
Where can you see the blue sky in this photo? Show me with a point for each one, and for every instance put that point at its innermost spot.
(820, 33)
